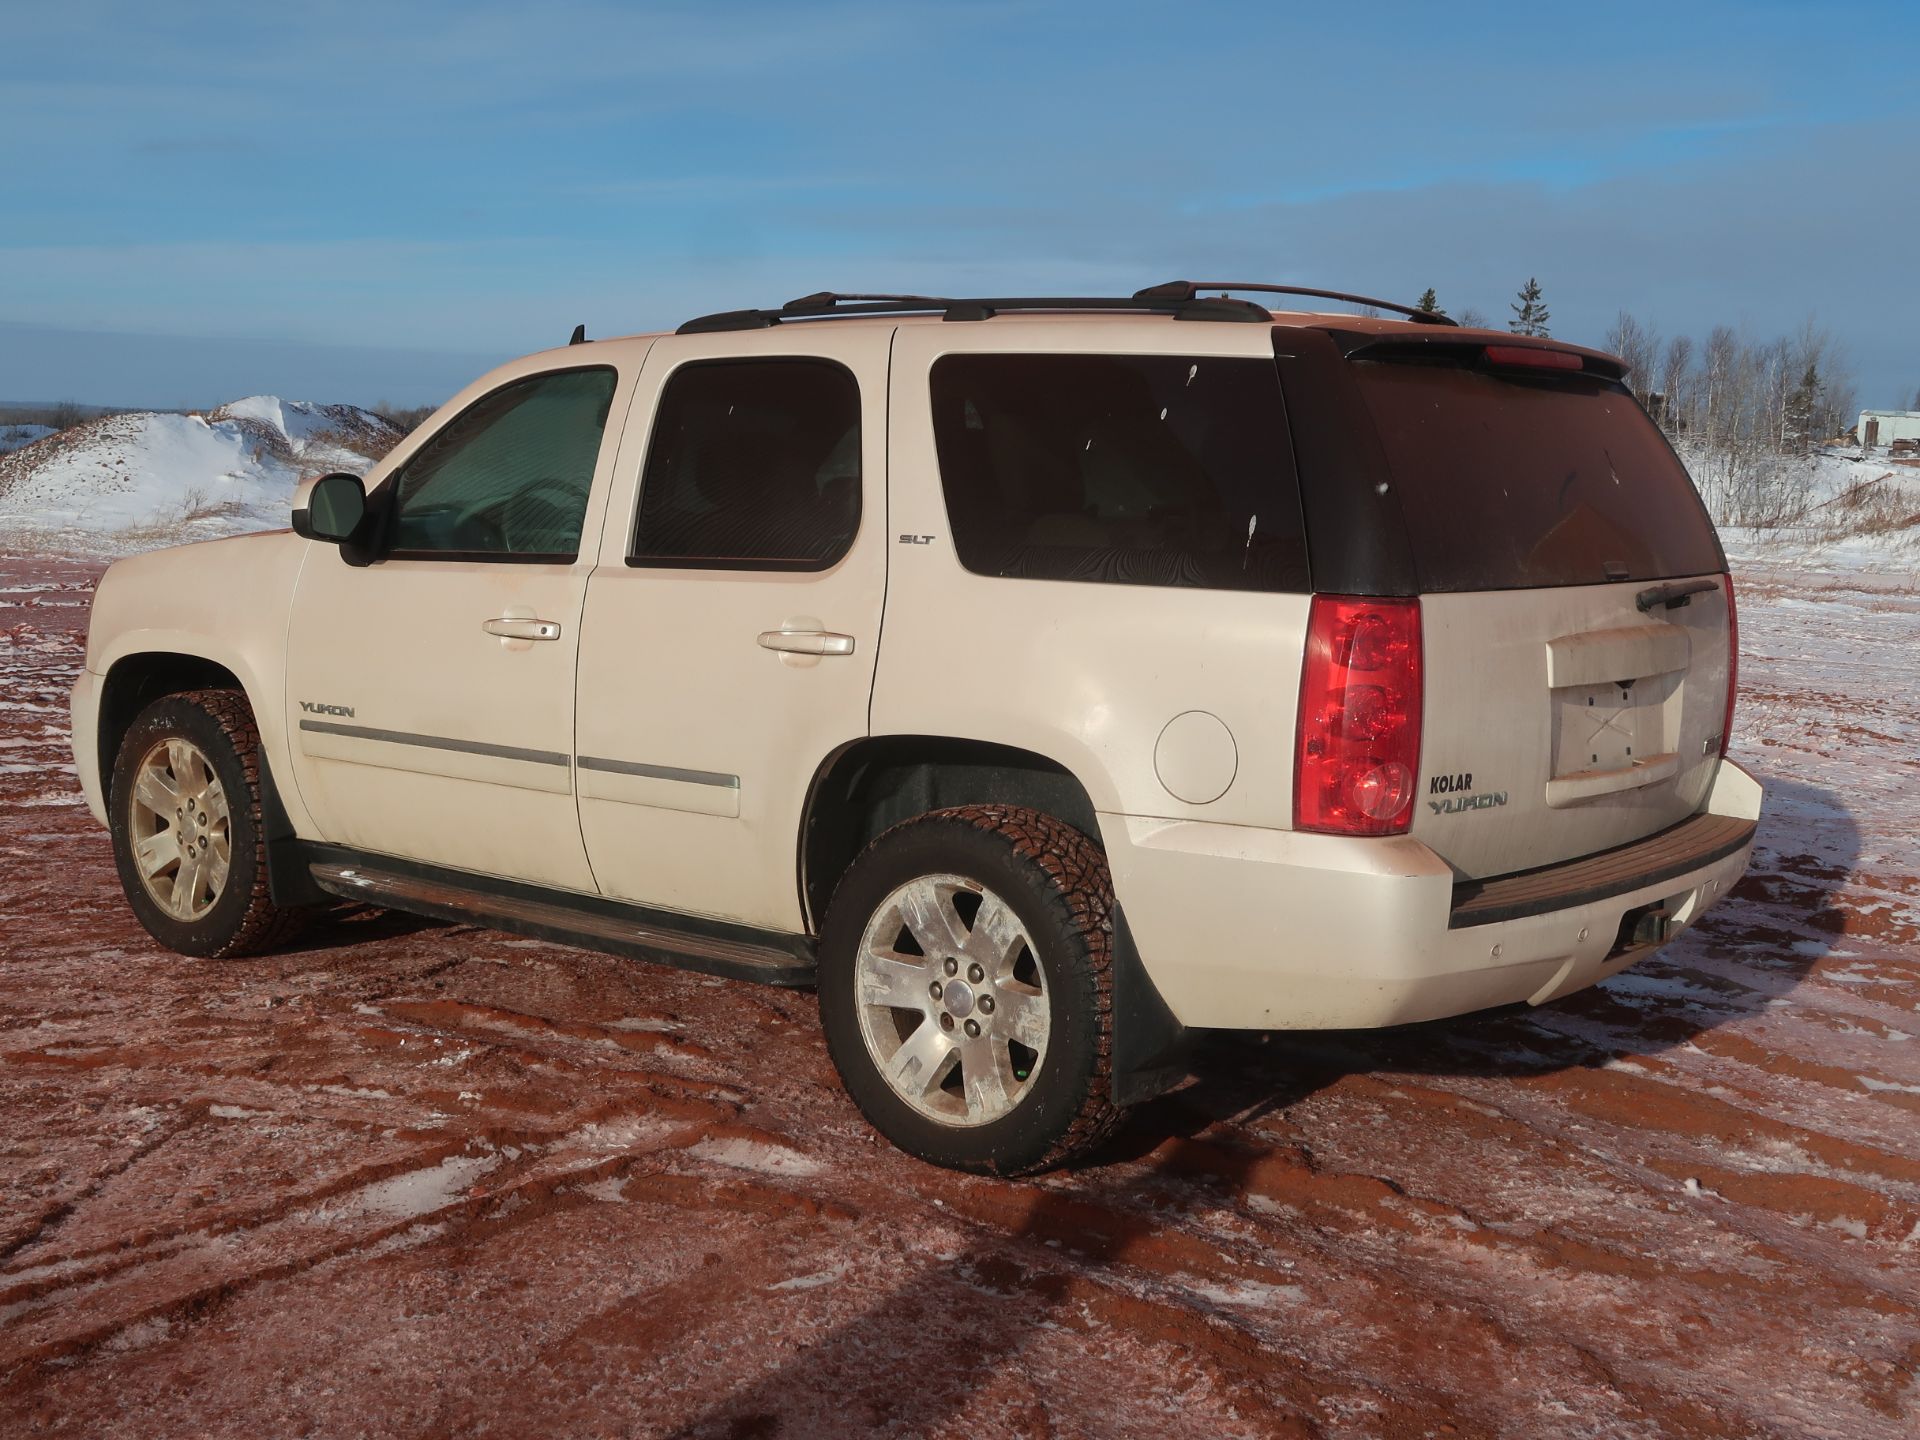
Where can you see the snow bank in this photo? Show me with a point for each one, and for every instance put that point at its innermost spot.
(132, 482)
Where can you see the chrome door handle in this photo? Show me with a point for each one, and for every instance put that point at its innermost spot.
(508, 628)
(806, 642)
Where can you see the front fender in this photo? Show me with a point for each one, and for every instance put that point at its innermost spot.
(224, 602)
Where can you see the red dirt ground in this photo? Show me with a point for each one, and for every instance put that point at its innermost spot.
(423, 1180)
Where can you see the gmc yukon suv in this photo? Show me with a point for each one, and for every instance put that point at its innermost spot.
(1040, 679)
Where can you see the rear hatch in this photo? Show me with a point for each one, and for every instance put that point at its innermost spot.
(1575, 620)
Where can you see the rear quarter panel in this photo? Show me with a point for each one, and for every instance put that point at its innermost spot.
(1088, 675)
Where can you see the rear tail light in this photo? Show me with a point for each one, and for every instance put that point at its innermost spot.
(1733, 664)
(1358, 745)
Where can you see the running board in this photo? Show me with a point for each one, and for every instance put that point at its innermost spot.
(682, 941)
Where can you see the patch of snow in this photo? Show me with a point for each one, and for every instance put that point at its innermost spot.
(1885, 1085)
(416, 1193)
(1249, 1292)
(810, 1282)
(756, 1155)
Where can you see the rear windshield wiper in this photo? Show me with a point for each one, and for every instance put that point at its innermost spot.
(1680, 592)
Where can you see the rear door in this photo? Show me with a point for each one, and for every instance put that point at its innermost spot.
(731, 628)
(1575, 620)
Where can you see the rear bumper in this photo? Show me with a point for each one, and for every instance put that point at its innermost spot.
(1251, 929)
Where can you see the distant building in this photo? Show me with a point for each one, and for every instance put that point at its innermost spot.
(1884, 427)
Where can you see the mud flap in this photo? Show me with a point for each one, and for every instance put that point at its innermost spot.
(1150, 1046)
(289, 879)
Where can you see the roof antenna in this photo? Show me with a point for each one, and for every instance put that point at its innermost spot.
(579, 335)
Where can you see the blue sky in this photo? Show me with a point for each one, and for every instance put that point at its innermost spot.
(381, 200)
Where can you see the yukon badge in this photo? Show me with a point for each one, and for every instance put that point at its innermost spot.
(1468, 802)
(1456, 788)
(314, 708)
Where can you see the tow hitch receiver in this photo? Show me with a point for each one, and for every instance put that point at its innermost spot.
(1644, 926)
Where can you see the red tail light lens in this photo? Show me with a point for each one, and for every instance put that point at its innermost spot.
(1358, 742)
(1733, 664)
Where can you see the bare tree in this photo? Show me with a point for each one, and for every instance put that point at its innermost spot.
(1637, 345)
(1676, 374)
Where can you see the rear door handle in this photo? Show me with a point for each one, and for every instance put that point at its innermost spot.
(807, 642)
(509, 628)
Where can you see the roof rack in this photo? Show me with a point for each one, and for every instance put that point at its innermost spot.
(1179, 298)
(1190, 290)
(827, 304)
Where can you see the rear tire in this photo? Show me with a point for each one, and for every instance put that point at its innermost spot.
(184, 813)
(966, 993)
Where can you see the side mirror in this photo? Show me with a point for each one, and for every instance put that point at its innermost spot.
(336, 504)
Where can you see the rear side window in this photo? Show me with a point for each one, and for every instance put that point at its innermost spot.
(1522, 482)
(1119, 469)
(752, 465)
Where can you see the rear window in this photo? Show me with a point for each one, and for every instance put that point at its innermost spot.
(1522, 482)
(1119, 469)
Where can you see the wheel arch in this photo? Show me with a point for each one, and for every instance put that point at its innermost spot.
(873, 783)
(133, 682)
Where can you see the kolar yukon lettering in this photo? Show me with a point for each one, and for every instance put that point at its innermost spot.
(313, 707)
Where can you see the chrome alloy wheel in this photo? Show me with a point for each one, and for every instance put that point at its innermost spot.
(180, 829)
(952, 1000)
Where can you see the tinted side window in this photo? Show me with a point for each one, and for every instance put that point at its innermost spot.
(752, 465)
(508, 477)
(1123, 469)
(1512, 482)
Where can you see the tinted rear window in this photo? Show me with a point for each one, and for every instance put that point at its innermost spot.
(1520, 483)
(1120, 469)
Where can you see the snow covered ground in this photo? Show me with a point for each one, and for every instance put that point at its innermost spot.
(16, 437)
(131, 482)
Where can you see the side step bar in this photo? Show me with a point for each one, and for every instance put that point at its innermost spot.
(684, 941)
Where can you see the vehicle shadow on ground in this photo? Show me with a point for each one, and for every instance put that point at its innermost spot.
(1745, 954)
(348, 924)
(1772, 928)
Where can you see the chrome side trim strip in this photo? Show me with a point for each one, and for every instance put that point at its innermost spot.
(436, 742)
(659, 772)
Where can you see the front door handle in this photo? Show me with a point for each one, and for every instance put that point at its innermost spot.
(510, 628)
(806, 642)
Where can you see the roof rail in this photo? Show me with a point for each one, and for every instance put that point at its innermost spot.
(827, 304)
(1190, 290)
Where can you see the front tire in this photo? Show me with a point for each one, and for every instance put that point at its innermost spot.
(965, 989)
(184, 810)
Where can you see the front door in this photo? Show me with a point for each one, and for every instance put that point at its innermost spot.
(729, 638)
(430, 693)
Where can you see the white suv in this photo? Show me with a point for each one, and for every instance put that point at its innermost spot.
(1042, 679)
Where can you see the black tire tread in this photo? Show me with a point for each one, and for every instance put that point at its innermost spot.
(264, 926)
(1081, 895)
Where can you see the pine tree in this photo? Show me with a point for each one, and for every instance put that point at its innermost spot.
(1796, 424)
(1428, 301)
(1530, 315)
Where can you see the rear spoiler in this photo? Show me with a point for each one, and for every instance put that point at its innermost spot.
(1470, 347)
